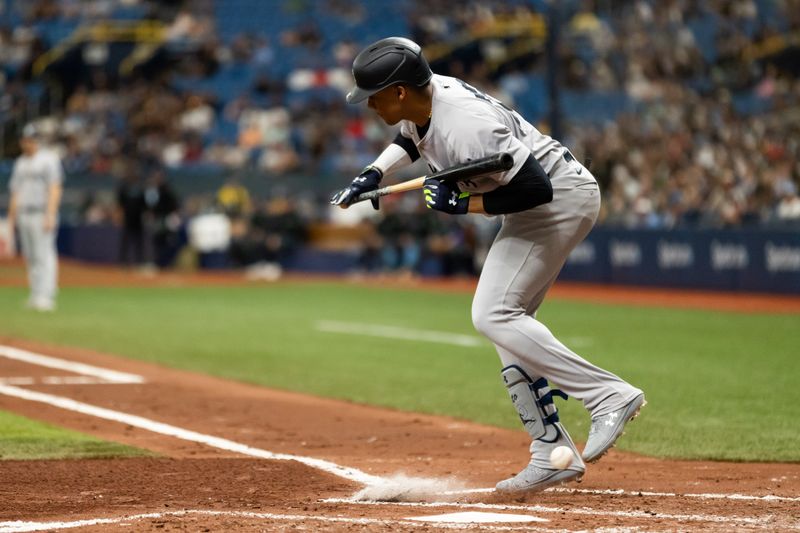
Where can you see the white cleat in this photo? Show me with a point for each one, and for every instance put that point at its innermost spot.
(608, 428)
(42, 305)
(535, 479)
(540, 473)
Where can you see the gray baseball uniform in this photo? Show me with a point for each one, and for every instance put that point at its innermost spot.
(551, 203)
(30, 184)
(531, 246)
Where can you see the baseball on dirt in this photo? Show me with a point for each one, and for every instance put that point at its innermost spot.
(561, 457)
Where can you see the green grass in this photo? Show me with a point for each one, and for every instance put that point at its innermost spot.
(23, 438)
(719, 385)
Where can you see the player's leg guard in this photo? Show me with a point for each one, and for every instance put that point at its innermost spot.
(533, 400)
(534, 403)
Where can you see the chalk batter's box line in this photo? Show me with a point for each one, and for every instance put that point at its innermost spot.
(344, 472)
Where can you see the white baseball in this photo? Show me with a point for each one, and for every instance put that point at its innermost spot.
(561, 457)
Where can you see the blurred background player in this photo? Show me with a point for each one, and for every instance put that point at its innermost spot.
(35, 186)
(162, 217)
(549, 202)
(131, 209)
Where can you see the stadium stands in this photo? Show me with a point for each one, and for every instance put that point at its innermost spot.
(688, 110)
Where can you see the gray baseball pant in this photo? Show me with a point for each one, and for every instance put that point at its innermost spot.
(39, 249)
(522, 264)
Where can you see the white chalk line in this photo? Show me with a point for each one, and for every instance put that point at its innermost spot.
(173, 431)
(568, 510)
(424, 335)
(702, 496)
(20, 526)
(326, 466)
(111, 376)
(55, 380)
(395, 332)
(621, 492)
(578, 342)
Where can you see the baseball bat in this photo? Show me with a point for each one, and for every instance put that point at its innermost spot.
(471, 169)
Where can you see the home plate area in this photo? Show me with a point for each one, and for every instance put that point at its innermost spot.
(475, 517)
(228, 456)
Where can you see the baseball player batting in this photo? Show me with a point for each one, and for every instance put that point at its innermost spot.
(549, 203)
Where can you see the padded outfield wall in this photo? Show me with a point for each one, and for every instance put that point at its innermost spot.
(735, 260)
(731, 260)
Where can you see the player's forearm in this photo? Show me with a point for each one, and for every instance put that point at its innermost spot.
(393, 158)
(12, 208)
(529, 188)
(53, 199)
(476, 205)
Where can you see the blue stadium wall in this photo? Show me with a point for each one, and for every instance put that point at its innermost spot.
(735, 260)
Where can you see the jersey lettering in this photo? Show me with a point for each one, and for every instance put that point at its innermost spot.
(494, 101)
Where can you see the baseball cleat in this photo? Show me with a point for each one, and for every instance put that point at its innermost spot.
(41, 305)
(608, 428)
(535, 479)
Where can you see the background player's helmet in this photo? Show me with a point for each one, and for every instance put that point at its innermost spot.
(388, 62)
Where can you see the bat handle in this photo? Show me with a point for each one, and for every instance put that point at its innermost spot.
(410, 185)
(369, 195)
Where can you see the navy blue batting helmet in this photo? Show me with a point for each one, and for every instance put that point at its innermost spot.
(388, 62)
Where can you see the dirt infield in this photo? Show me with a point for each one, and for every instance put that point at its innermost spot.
(232, 456)
(200, 487)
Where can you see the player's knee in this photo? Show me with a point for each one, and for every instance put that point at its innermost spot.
(478, 318)
(485, 321)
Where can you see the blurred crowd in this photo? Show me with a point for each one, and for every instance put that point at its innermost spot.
(713, 138)
(710, 136)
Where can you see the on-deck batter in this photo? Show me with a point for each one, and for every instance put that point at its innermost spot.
(550, 203)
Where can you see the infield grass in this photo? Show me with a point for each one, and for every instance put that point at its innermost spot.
(23, 438)
(719, 385)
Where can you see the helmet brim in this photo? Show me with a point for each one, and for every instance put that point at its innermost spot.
(358, 95)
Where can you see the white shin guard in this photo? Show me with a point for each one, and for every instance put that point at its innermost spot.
(533, 400)
(534, 403)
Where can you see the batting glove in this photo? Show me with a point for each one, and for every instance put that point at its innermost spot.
(445, 197)
(367, 181)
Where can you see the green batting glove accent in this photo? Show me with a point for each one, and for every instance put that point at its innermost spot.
(463, 195)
